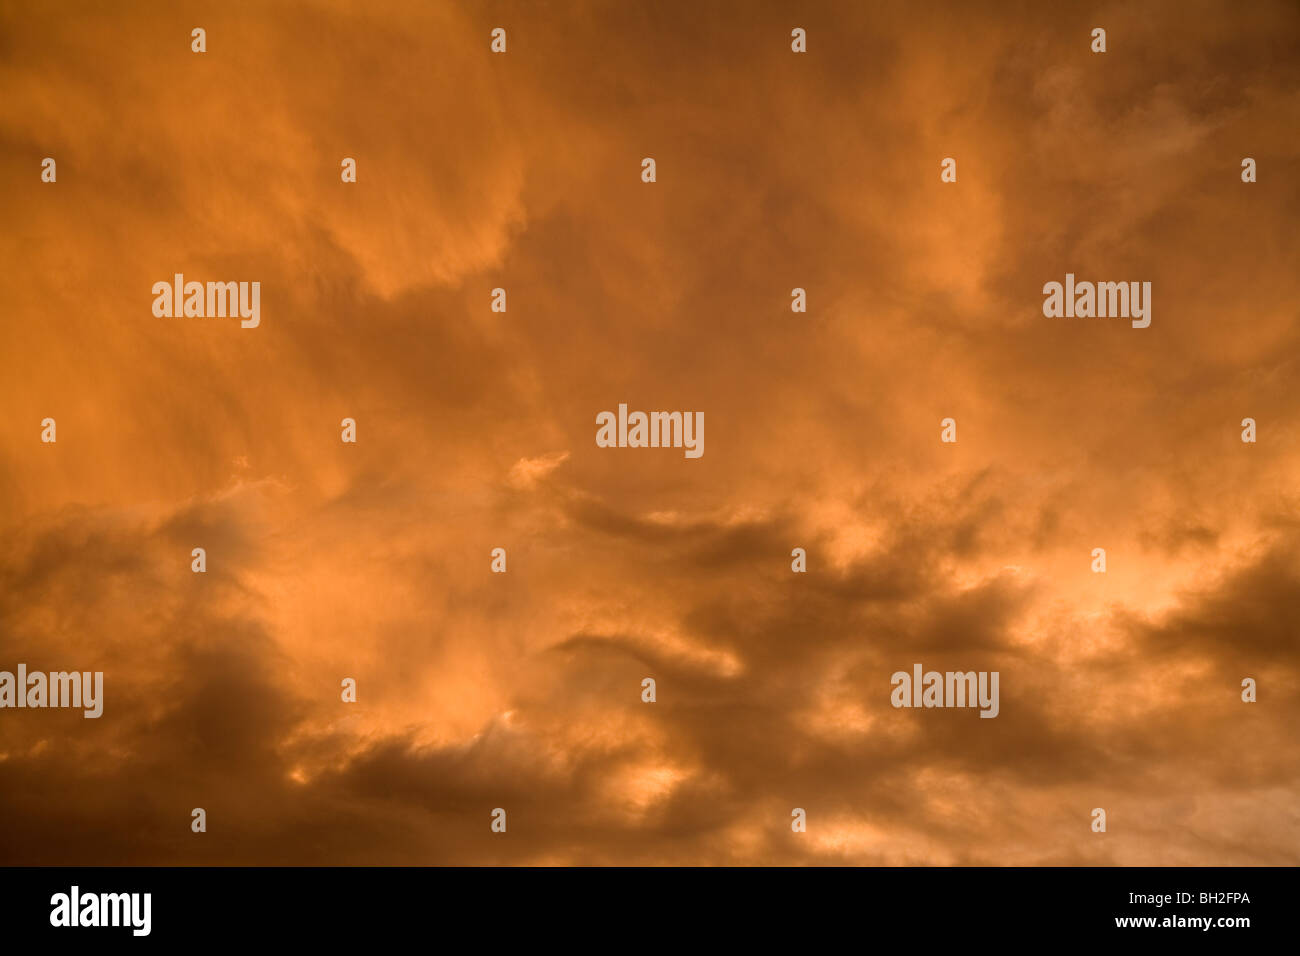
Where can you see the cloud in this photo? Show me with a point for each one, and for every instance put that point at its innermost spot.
(526, 472)
(522, 690)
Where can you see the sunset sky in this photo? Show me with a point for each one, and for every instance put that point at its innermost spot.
(475, 430)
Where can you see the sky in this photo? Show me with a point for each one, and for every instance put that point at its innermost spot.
(775, 170)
